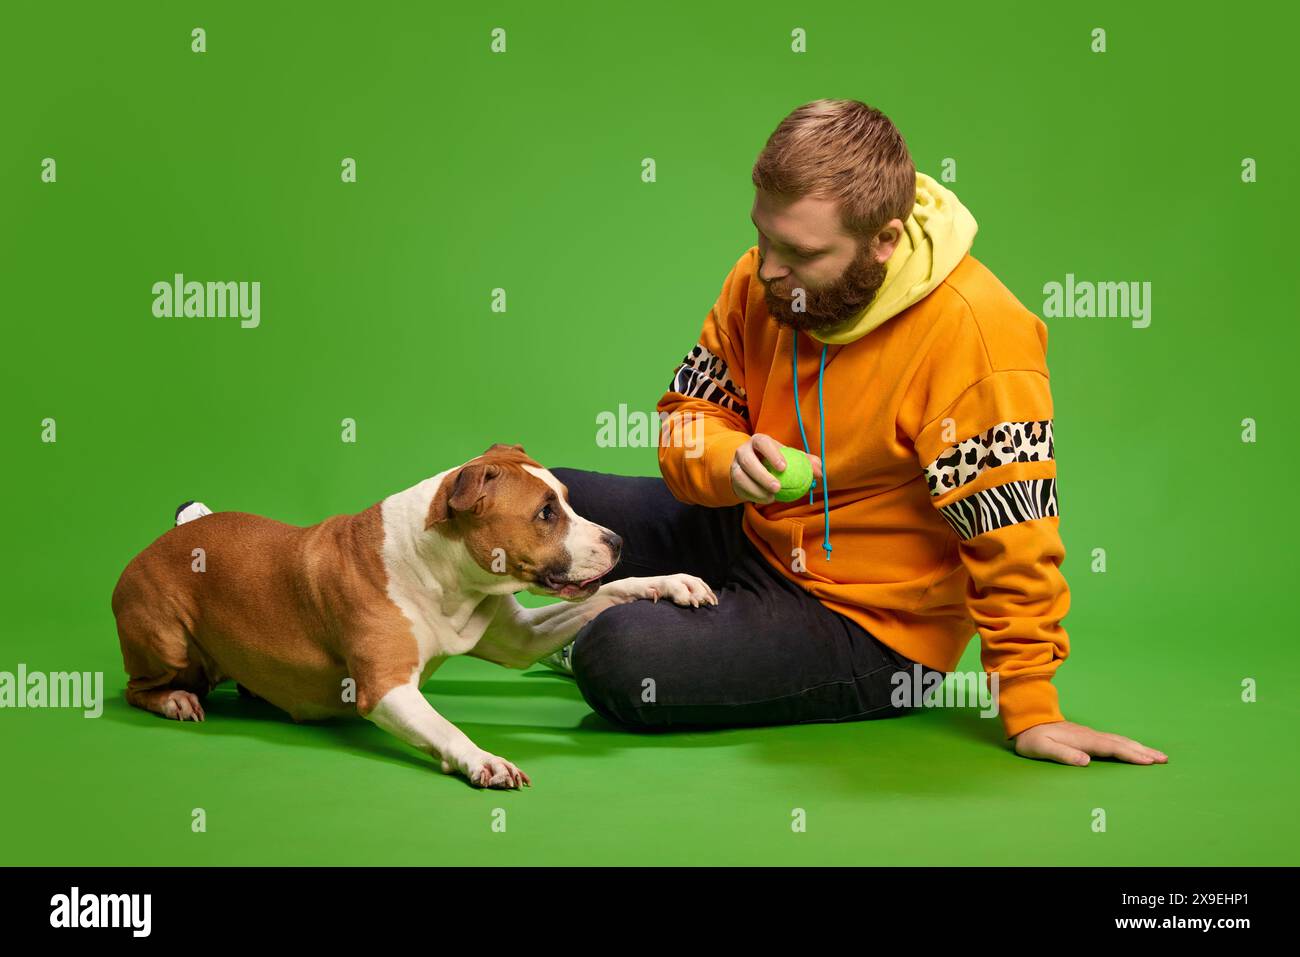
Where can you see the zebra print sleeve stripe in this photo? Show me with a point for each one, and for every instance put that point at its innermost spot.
(703, 375)
(1000, 506)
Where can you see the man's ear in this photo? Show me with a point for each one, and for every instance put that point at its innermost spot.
(465, 490)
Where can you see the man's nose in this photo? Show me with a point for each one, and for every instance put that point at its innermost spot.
(769, 272)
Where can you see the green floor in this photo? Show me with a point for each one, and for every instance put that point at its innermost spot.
(935, 787)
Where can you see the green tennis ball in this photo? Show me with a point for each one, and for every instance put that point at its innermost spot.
(797, 478)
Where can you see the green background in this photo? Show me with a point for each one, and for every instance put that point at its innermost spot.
(522, 171)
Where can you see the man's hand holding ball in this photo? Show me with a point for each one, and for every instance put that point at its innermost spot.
(752, 468)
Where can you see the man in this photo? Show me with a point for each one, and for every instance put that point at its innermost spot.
(860, 329)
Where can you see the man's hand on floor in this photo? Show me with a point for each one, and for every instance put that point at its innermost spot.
(1070, 743)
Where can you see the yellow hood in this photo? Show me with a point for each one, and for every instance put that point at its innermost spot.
(935, 238)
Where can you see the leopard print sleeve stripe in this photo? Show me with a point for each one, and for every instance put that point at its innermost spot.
(1001, 444)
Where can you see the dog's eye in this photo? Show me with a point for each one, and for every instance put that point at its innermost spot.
(545, 513)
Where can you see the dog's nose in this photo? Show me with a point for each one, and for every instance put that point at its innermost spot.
(614, 542)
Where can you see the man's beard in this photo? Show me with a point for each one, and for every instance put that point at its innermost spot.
(831, 305)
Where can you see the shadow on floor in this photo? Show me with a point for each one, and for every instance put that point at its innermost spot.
(930, 751)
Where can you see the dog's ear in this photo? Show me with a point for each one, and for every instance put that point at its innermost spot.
(465, 490)
(510, 453)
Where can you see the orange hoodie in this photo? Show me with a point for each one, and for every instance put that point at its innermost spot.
(937, 516)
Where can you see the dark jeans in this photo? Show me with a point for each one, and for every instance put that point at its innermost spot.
(768, 653)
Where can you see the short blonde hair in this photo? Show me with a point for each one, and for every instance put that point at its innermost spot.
(842, 150)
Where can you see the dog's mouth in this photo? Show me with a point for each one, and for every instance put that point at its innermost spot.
(569, 588)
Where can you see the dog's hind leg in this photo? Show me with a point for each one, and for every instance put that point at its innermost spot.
(163, 675)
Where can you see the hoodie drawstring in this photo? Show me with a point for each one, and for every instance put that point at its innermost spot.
(821, 416)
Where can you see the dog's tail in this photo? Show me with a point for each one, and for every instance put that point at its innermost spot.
(189, 511)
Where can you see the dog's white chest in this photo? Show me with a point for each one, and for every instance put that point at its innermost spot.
(423, 582)
(436, 635)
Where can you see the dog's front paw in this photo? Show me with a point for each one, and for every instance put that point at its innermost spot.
(682, 589)
(485, 770)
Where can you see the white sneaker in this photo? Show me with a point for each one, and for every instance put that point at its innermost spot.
(190, 511)
(561, 661)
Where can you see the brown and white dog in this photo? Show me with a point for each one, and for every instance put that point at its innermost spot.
(352, 615)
